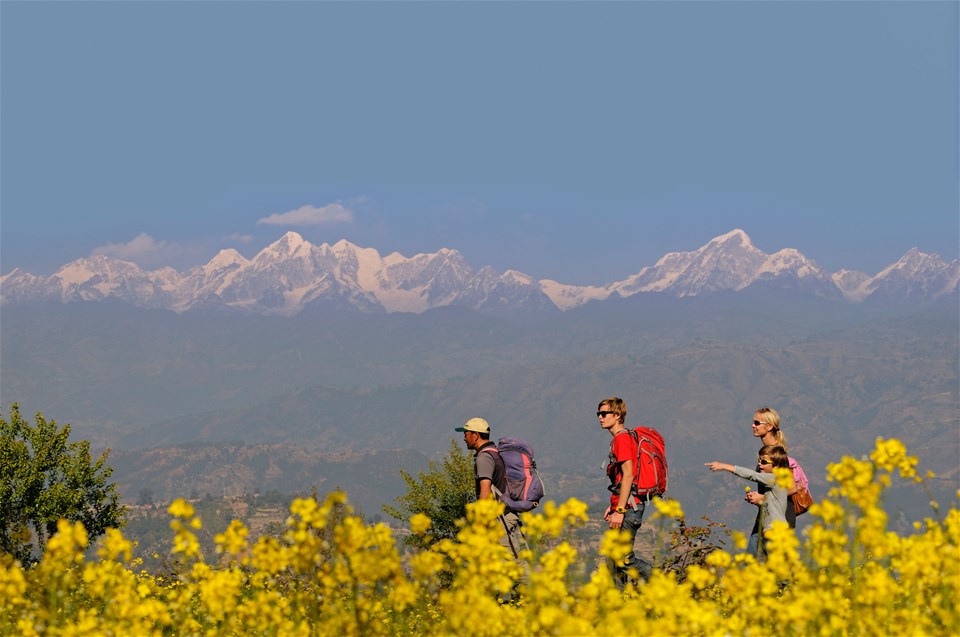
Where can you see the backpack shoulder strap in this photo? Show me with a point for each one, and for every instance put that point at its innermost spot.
(492, 449)
(625, 430)
(631, 432)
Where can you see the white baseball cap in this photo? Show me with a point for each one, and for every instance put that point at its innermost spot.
(478, 425)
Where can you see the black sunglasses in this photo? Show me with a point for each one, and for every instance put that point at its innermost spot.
(604, 414)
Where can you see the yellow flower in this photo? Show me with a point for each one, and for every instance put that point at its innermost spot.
(180, 508)
(892, 454)
(115, 546)
(719, 559)
(668, 508)
(233, 540)
(699, 577)
(784, 477)
(739, 540)
(333, 573)
(420, 524)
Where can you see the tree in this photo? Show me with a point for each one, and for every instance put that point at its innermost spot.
(43, 478)
(145, 498)
(441, 493)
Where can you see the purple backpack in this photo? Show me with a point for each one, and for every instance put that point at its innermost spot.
(524, 486)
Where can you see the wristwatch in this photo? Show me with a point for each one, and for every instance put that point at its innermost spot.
(619, 510)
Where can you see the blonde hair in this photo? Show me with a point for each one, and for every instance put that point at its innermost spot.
(770, 417)
(617, 406)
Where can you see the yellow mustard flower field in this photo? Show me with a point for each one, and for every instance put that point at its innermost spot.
(846, 574)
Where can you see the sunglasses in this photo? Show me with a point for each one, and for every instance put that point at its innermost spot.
(757, 423)
(604, 414)
(761, 461)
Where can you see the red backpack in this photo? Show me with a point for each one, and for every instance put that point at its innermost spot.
(650, 479)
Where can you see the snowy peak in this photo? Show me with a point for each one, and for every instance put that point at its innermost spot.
(727, 262)
(288, 247)
(24, 288)
(223, 263)
(913, 262)
(916, 275)
(511, 292)
(733, 240)
(224, 259)
(291, 274)
(567, 297)
(849, 282)
(790, 259)
(99, 277)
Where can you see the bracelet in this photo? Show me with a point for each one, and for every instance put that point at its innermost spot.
(620, 510)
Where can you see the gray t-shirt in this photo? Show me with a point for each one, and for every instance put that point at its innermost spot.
(489, 466)
(775, 500)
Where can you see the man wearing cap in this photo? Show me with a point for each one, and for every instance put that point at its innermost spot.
(491, 476)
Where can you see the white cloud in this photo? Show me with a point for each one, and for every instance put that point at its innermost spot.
(239, 238)
(311, 216)
(142, 247)
(148, 252)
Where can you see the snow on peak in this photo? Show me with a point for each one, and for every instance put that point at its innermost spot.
(345, 246)
(567, 297)
(734, 237)
(914, 259)
(289, 245)
(517, 278)
(226, 258)
(727, 262)
(851, 283)
(791, 260)
(915, 274)
(82, 270)
(290, 274)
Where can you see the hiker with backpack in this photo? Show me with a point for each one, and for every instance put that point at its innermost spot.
(766, 427)
(490, 475)
(627, 502)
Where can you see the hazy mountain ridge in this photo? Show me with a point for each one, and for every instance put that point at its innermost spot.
(291, 274)
(326, 381)
(233, 469)
(838, 388)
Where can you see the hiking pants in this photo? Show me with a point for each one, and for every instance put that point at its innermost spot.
(632, 520)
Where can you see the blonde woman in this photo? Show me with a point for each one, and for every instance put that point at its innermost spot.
(766, 427)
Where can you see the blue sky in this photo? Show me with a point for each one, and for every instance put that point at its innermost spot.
(573, 141)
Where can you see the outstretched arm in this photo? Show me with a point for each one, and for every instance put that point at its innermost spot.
(719, 466)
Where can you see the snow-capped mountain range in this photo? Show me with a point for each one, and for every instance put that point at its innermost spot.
(292, 274)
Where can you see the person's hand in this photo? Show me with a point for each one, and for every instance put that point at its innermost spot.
(754, 498)
(717, 466)
(615, 519)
